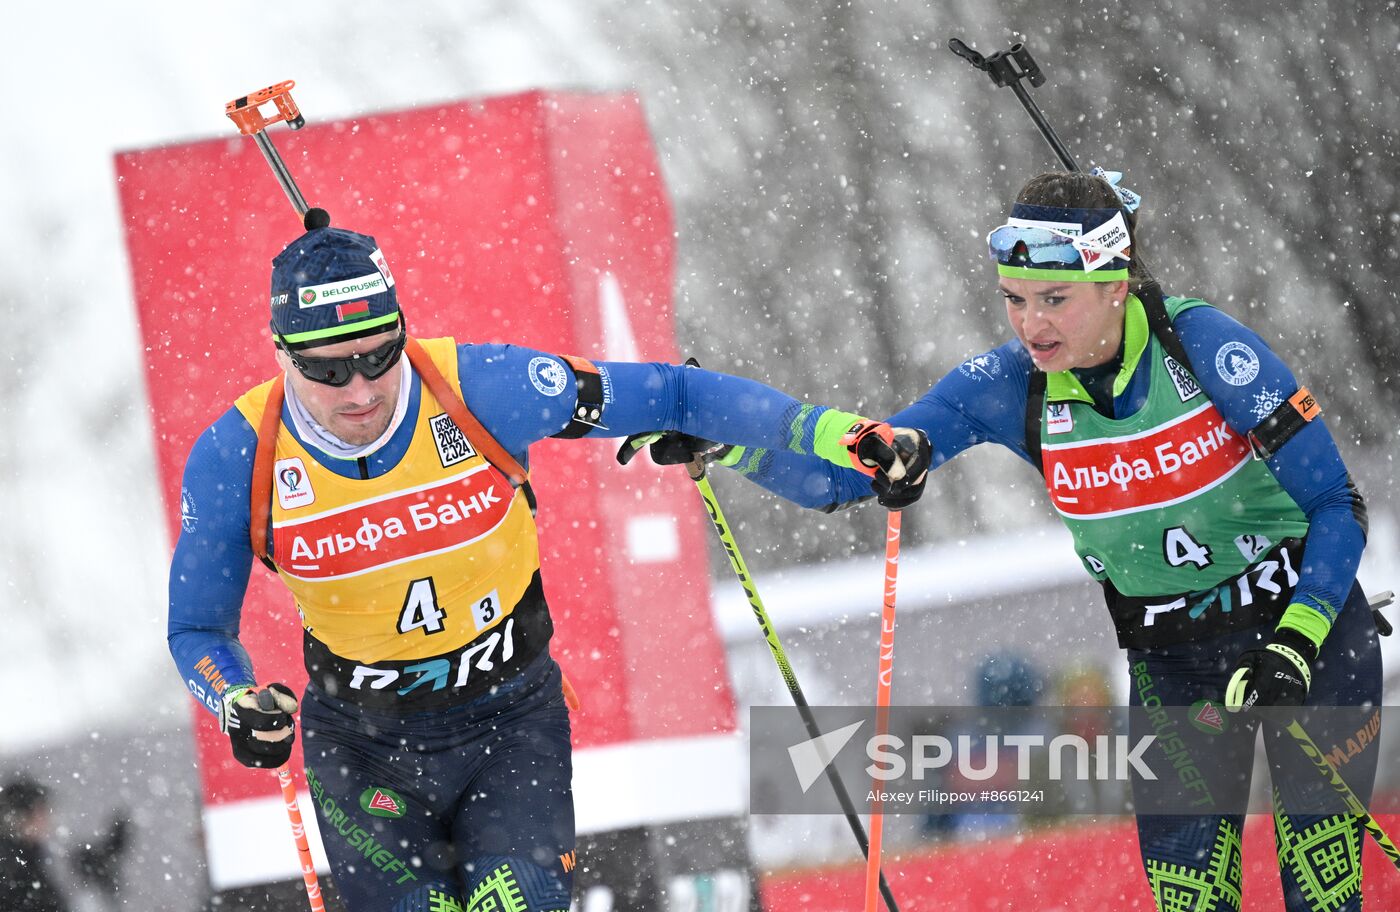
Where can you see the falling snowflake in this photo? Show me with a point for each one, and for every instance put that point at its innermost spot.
(1265, 402)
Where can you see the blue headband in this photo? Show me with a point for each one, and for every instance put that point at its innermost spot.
(1086, 219)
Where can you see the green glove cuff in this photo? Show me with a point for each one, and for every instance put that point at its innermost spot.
(826, 440)
(232, 694)
(228, 698)
(732, 458)
(1236, 689)
(1306, 620)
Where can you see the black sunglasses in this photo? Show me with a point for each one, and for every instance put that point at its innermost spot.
(373, 364)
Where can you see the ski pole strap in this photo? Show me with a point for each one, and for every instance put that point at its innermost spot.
(247, 115)
(461, 415)
(1007, 68)
(588, 409)
(260, 516)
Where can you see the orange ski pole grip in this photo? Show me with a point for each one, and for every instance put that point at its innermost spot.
(246, 111)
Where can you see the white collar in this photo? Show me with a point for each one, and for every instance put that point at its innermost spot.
(312, 433)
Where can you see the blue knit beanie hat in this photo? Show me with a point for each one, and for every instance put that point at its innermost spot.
(331, 285)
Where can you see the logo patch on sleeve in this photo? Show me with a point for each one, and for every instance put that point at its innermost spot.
(452, 445)
(1236, 363)
(189, 516)
(1265, 401)
(548, 376)
(293, 484)
(1186, 386)
(984, 365)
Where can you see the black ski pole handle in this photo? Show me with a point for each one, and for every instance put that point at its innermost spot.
(1007, 68)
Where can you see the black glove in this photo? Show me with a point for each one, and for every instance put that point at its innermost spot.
(897, 459)
(672, 448)
(1278, 674)
(260, 725)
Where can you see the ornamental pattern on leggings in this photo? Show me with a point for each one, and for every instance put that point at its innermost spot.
(497, 892)
(1323, 859)
(1179, 888)
(443, 902)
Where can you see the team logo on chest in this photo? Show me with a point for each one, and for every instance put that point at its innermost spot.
(293, 484)
(1167, 464)
(1058, 419)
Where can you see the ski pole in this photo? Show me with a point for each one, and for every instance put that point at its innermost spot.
(1007, 68)
(308, 866)
(1352, 802)
(775, 646)
(244, 112)
(882, 701)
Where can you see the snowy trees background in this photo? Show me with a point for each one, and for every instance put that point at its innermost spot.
(832, 224)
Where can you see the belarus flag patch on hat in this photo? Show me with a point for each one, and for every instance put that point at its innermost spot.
(355, 310)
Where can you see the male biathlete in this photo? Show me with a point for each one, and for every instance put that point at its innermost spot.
(383, 478)
(1202, 491)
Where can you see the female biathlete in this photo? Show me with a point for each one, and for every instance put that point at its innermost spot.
(1202, 491)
